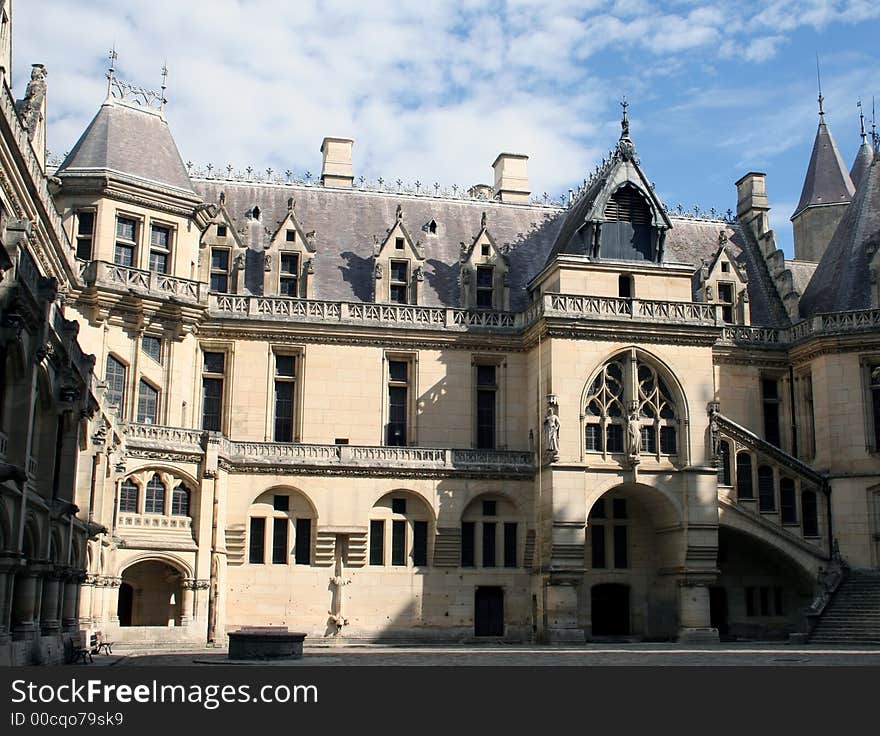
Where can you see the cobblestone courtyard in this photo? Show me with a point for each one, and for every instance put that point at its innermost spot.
(745, 654)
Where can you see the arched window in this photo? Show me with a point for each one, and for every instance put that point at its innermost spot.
(400, 531)
(744, 487)
(787, 501)
(766, 489)
(490, 532)
(148, 403)
(154, 498)
(180, 501)
(620, 383)
(724, 463)
(114, 376)
(280, 521)
(128, 497)
(809, 514)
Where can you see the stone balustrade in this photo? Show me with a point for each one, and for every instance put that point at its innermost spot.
(153, 521)
(126, 278)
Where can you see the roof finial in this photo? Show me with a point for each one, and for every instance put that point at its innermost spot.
(821, 99)
(111, 72)
(624, 121)
(862, 132)
(874, 138)
(162, 101)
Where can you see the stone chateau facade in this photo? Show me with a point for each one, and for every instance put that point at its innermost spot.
(378, 412)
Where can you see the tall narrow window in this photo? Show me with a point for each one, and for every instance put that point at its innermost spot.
(809, 441)
(128, 498)
(744, 485)
(285, 385)
(621, 547)
(398, 542)
(489, 544)
(220, 270)
(212, 391)
(154, 496)
(809, 514)
(597, 545)
(787, 501)
(603, 410)
(180, 501)
(485, 276)
(148, 403)
(280, 528)
(724, 463)
(85, 234)
(770, 400)
(152, 347)
(420, 543)
(114, 377)
(625, 286)
(288, 278)
(398, 402)
(725, 299)
(487, 388)
(399, 282)
(126, 243)
(766, 489)
(510, 552)
(468, 531)
(256, 549)
(377, 542)
(303, 548)
(160, 248)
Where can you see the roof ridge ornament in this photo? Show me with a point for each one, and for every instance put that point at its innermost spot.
(821, 98)
(626, 149)
(118, 89)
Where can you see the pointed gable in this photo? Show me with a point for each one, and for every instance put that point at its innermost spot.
(484, 272)
(398, 265)
(827, 180)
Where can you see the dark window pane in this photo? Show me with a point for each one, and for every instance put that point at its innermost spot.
(221, 231)
(281, 503)
(212, 403)
(285, 365)
(289, 263)
(279, 541)
(777, 602)
(649, 439)
(484, 277)
(257, 541)
(148, 403)
(290, 236)
(303, 549)
(490, 508)
(750, 601)
(725, 293)
(510, 556)
(597, 544)
(398, 270)
(598, 510)
(397, 411)
(485, 419)
(769, 388)
(180, 502)
(398, 294)
(621, 548)
(152, 346)
(284, 411)
(288, 286)
(488, 544)
(668, 440)
(214, 362)
(377, 542)
(84, 249)
(810, 514)
(468, 529)
(765, 600)
(618, 508)
(154, 497)
(593, 433)
(85, 223)
(128, 498)
(123, 255)
(787, 501)
(397, 371)
(158, 262)
(624, 286)
(219, 259)
(114, 376)
(724, 463)
(486, 375)
(614, 438)
(125, 228)
(220, 282)
(770, 394)
(398, 505)
(484, 298)
(744, 487)
(420, 543)
(160, 236)
(766, 489)
(398, 543)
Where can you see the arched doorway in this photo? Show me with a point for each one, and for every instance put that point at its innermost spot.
(156, 592)
(610, 609)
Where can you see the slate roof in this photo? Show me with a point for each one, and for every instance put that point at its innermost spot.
(827, 180)
(128, 141)
(841, 281)
(346, 222)
(863, 159)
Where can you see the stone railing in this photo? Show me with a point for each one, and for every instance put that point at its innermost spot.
(66, 332)
(126, 278)
(141, 435)
(746, 335)
(153, 521)
(639, 310)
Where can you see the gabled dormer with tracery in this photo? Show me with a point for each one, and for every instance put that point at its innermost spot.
(398, 266)
(288, 265)
(222, 254)
(484, 272)
(725, 283)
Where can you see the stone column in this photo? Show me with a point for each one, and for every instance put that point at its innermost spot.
(186, 602)
(87, 602)
(200, 611)
(24, 604)
(693, 613)
(8, 568)
(49, 623)
(69, 602)
(111, 599)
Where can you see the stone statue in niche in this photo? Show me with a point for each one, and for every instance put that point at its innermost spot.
(634, 434)
(31, 107)
(378, 270)
(267, 262)
(239, 262)
(551, 435)
(709, 293)
(337, 583)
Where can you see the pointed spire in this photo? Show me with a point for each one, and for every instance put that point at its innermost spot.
(862, 132)
(821, 98)
(624, 121)
(865, 154)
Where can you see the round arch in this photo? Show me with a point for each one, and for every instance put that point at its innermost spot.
(410, 493)
(30, 545)
(149, 468)
(151, 591)
(176, 562)
(265, 496)
(486, 495)
(659, 491)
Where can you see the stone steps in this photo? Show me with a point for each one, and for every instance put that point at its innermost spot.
(853, 615)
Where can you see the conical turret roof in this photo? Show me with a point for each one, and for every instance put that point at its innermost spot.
(827, 180)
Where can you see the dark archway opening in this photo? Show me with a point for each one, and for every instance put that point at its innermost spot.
(718, 610)
(489, 611)
(610, 609)
(126, 599)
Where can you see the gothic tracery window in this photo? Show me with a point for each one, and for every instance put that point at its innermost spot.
(624, 383)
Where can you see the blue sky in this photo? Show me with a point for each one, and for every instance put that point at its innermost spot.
(433, 91)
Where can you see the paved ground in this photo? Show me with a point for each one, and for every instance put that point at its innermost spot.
(784, 655)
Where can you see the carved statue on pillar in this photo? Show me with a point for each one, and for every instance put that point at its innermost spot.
(31, 107)
(551, 435)
(634, 435)
(338, 582)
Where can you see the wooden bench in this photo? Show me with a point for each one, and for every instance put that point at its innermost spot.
(102, 644)
(97, 645)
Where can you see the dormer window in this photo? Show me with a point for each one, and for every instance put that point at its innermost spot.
(398, 244)
(626, 232)
(399, 284)
(221, 231)
(484, 250)
(289, 275)
(725, 267)
(432, 227)
(160, 248)
(485, 277)
(290, 236)
(725, 299)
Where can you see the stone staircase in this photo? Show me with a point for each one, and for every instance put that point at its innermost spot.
(853, 614)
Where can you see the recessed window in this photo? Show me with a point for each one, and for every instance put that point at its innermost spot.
(281, 503)
(809, 514)
(85, 234)
(725, 299)
(398, 243)
(114, 377)
(770, 400)
(487, 390)
(152, 347)
(220, 270)
(484, 250)
(787, 501)
(126, 233)
(766, 489)
(398, 505)
(212, 390)
(725, 267)
(489, 534)
(221, 231)
(399, 283)
(490, 508)
(180, 501)
(625, 286)
(288, 277)
(285, 397)
(398, 402)
(407, 543)
(148, 403)
(290, 236)
(160, 248)
(154, 496)
(744, 483)
(128, 498)
(256, 548)
(485, 277)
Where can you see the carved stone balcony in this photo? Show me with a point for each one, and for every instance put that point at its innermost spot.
(126, 279)
(155, 531)
(636, 310)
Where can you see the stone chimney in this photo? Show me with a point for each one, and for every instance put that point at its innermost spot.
(336, 167)
(751, 202)
(512, 178)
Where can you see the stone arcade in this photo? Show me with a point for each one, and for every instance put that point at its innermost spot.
(367, 411)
